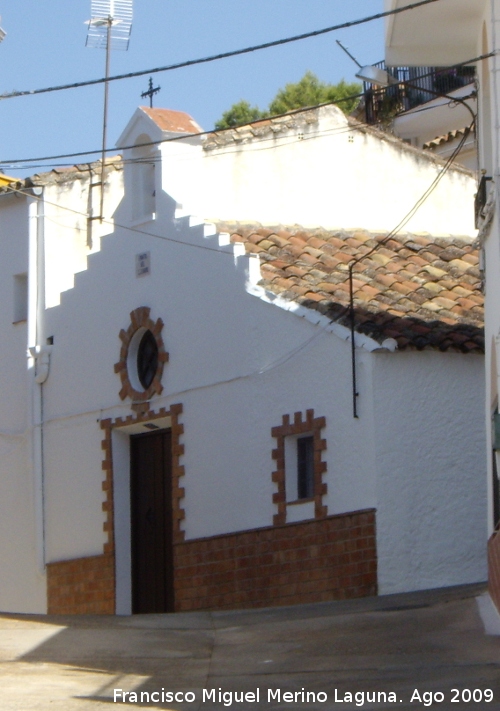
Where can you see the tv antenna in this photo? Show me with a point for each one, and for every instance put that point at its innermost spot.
(110, 26)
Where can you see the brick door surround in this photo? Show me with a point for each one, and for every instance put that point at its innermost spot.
(88, 585)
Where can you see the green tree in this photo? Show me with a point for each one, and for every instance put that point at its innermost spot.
(238, 115)
(309, 91)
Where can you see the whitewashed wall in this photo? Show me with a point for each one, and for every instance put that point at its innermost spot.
(236, 363)
(68, 240)
(450, 32)
(220, 338)
(335, 176)
(22, 586)
(430, 455)
(487, 40)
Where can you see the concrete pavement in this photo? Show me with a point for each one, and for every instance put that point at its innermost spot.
(414, 649)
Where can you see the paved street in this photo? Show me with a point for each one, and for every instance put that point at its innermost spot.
(430, 642)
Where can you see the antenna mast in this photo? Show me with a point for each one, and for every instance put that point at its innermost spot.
(109, 28)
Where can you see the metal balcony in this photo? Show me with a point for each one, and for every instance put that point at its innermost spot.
(382, 104)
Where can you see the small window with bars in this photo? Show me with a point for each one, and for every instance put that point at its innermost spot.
(305, 467)
(299, 468)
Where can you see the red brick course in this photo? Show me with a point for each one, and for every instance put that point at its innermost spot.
(327, 558)
(83, 586)
(331, 558)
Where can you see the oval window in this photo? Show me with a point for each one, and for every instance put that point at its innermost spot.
(147, 359)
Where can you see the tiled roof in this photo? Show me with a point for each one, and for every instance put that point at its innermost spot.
(65, 175)
(174, 121)
(300, 119)
(261, 128)
(423, 292)
(446, 138)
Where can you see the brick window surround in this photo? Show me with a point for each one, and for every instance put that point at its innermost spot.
(140, 322)
(87, 585)
(309, 425)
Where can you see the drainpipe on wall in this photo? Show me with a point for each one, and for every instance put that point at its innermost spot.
(38, 362)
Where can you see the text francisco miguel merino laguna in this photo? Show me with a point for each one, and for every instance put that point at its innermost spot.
(228, 698)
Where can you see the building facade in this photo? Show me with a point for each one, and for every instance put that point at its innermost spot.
(177, 428)
(455, 33)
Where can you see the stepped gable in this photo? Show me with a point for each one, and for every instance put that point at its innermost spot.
(423, 292)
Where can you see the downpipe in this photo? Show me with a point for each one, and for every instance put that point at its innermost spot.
(38, 366)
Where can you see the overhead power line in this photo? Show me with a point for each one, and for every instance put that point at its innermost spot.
(173, 139)
(351, 309)
(116, 225)
(12, 161)
(222, 55)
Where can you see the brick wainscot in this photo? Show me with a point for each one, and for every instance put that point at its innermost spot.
(323, 559)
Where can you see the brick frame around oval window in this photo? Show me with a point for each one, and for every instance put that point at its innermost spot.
(140, 321)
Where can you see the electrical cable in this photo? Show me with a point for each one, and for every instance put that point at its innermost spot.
(401, 224)
(11, 162)
(28, 161)
(277, 363)
(182, 157)
(222, 55)
(115, 225)
(174, 139)
(350, 309)
(351, 265)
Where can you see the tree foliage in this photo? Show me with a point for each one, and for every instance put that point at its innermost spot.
(238, 115)
(309, 91)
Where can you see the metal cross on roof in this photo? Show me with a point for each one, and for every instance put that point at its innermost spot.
(151, 92)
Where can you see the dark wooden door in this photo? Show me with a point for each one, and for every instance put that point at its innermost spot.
(151, 519)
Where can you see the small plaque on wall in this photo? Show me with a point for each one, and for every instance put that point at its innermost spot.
(143, 264)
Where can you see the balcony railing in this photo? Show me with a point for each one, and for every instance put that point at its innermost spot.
(383, 104)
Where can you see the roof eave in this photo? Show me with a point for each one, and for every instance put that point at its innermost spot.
(439, 34)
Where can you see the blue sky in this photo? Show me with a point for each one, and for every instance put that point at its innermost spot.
(45, 46)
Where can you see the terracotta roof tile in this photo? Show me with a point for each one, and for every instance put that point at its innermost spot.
(424, 292)
(67, 174)
(446, 138)
(174, 121)
(303, 118)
